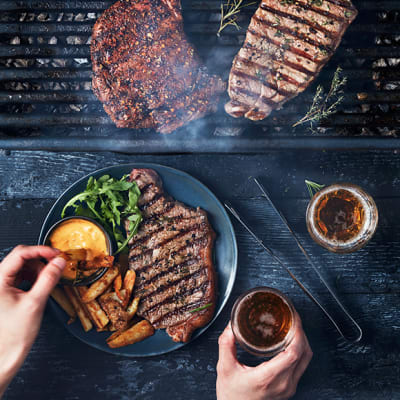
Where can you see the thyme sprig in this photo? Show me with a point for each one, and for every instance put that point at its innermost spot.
(323, 104)
(313, 187)
(201, 308)
(229, 14)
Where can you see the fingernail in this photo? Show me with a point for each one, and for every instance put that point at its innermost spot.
(59, 262)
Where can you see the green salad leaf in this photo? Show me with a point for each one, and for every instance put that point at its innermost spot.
(110, 202)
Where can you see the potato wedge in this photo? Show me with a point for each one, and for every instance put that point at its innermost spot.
(117, 286)
(70, 271)
(105, 329)
(76, 303)
(108, 290)
(134, 334)
(62, 300)
(95, 312)
(76, 254)
(113, 336)
(97, 262)
(98, 288)
(132, 308)
(112, 296)
(129, 283)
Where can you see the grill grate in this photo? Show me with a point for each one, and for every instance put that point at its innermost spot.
(45, 81)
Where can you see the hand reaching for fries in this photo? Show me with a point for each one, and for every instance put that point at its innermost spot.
(22, 311)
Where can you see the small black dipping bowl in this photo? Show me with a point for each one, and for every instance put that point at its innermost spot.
(100, 272)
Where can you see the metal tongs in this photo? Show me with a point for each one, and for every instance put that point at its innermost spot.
(282, 264)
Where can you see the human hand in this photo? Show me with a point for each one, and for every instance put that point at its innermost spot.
(21, 312)
(275, 379)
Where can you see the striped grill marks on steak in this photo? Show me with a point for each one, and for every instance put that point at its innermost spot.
(171, 254)
(145, 72)
(287, 44)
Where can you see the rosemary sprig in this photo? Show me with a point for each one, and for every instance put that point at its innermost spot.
(313, 187)
(201, 308)
(229, 12)
(323, 104)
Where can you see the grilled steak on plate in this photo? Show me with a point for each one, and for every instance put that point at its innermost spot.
(172, 257)
(145, 72)
(287, 44)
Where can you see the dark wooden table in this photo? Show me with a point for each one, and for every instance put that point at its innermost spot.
(61, 367)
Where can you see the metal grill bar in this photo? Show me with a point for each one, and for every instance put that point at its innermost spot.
(209, 145)
(45, 84)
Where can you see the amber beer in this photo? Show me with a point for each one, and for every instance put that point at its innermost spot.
(263, 321)
(342, 218)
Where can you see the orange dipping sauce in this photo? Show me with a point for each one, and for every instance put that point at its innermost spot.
(77, 233)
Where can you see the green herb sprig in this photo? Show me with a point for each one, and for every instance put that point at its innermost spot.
(109, 201)
(313, 187)
(323, 104)
(229, 14)
(201, 308)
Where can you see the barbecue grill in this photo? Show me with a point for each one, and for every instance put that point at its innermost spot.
(46, 100)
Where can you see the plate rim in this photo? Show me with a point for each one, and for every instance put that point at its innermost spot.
(231, 281)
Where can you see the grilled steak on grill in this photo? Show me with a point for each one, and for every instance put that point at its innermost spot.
(172, 257)
(287, 44)
(145, 72)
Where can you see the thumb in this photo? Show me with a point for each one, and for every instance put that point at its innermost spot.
(48, 279)
(227, 350)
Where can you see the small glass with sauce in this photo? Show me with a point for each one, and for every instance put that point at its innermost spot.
(342, 218)
(263, 321)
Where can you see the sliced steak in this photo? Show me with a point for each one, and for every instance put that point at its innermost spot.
(145, 72)
(287, 44)
(172, 257)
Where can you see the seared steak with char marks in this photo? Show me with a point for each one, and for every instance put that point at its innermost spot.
(145, 72)
(172, 257)
(287, 44)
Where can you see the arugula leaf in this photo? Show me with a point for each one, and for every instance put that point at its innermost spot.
(109, 200)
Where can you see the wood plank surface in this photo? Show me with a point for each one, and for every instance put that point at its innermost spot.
(61, 367)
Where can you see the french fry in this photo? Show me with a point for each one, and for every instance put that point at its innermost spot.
(105, 329)
(112, 296)
(93, 309)
(76, 303)
(98, 288)
(132, 308)
(59, 296)
(117, 286)
(129, 283)
(113, 336)
(76, 254)
(70, 271)
(108, 290)
(97, 262)
(134, 334)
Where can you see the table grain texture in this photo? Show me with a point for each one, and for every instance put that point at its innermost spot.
(61, 367)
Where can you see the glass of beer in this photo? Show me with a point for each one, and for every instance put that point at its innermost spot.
(263, 321)
(342, 217)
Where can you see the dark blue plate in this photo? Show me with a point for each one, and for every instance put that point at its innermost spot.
(190, 191)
